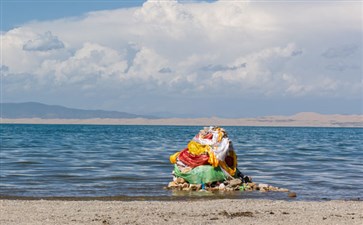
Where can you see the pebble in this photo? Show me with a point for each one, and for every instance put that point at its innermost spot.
(235, 182)
(292, 194)
(263, 186)
(213, 189)
(283, 190)
(172, 184)
(272, 188)
(222, 186)
(180, 180)
(195, 187)
(252, 184)
(229, 185)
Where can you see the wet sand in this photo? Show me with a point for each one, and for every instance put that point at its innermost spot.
(226, 211)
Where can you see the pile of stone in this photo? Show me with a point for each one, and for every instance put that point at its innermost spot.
(228, 185)
(209, 163)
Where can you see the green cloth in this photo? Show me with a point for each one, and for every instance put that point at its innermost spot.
(201, 174)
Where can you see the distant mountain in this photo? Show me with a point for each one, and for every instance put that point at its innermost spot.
(43, 111)
(165, 114)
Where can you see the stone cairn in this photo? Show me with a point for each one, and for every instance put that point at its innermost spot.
(209, 163)
(228, 185)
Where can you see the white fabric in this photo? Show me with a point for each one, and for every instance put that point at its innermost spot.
(207, 141)
(221, 150)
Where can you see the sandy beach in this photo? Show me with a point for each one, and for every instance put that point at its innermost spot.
(298, 120)
(226, 211)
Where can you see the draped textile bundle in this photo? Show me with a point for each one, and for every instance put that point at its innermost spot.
(212, 148)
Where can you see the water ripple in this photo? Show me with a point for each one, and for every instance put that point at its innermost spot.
(88, 160)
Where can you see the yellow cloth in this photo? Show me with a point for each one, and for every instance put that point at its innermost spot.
(230, 170)
(173, 157)
(220, 136)
(197, 149)
(212, 158)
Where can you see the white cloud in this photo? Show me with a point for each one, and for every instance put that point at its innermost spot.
(166, 48)
(44, 42)
(88, 66)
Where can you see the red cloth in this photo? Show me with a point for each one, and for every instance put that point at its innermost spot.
(192, 160)
(208, 136)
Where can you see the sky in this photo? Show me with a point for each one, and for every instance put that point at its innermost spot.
(185, 58)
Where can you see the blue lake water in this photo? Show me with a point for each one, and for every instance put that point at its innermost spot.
(97, 160)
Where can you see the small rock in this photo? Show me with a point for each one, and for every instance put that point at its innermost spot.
(263, 190)
(172, 184)
(195, 187)
(180, 180)
(222, 186)
(187, 189)
(292, 194)
(248, 189)
(235, 182)
(213, 189)
(283, 190)
(263, 186)
(251, 184)
(185, 185)
(272, 188)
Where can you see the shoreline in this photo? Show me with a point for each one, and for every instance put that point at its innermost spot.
(223, 211)
(168, 199)
(299, 120)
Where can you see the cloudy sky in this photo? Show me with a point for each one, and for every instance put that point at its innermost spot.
(185, 58)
